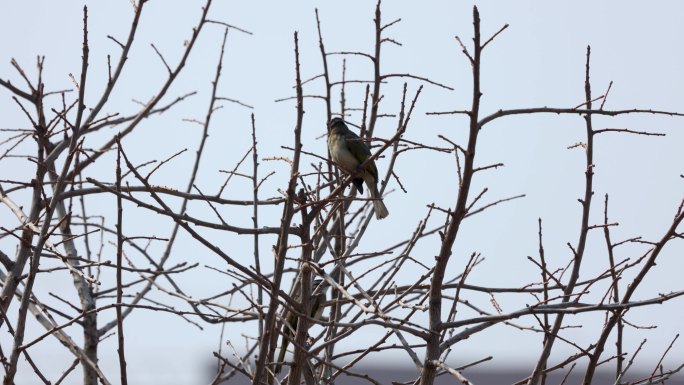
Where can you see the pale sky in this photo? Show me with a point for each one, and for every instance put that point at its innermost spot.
(538, 61)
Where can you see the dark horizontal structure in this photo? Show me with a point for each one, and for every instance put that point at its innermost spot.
(387, 375)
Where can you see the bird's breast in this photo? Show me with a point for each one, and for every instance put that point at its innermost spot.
(340, 153)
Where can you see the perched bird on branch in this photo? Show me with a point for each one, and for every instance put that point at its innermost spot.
(348, 151)
(319, 296)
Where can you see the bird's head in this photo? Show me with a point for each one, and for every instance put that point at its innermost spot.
(337, 124)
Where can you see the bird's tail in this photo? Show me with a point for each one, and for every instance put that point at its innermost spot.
(380, 208)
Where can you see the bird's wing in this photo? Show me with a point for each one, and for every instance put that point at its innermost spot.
(356, 146)
(361, 152)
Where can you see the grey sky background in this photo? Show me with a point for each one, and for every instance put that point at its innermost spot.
(538, 61)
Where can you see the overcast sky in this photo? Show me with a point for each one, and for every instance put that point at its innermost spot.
(538, 61)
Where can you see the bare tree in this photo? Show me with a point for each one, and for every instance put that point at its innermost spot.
(320, 231)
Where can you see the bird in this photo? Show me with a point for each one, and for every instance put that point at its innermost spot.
(320, 288)
(348, 151)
